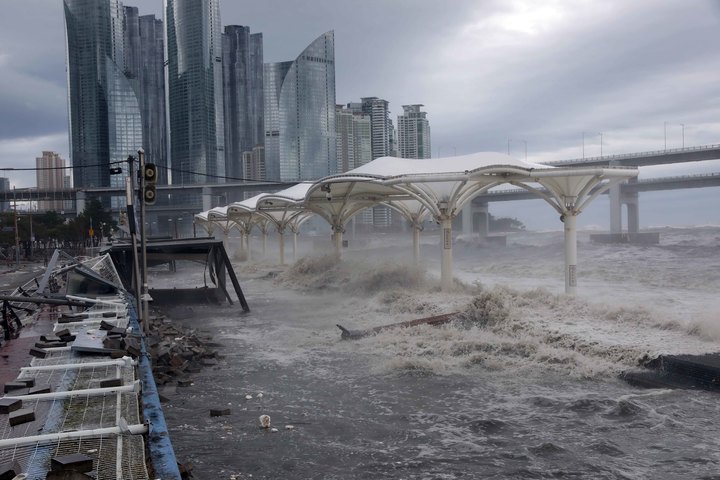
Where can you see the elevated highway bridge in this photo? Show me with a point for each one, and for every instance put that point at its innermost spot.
(180, 202)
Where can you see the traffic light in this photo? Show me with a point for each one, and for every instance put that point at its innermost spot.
(150, 176)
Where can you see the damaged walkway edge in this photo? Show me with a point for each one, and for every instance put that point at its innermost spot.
(162, 455)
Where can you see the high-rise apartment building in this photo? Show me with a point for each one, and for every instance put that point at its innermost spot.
(382, 135)
(413, 133)
(380, 125)
(254, 163)
(50, 175)
(300, 114)
(195, 91)
(354, 139)
(244, 101)
(106, 56)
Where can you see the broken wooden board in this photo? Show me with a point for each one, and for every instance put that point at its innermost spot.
(435, 320)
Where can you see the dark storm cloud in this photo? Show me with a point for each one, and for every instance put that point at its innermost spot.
(540, 72)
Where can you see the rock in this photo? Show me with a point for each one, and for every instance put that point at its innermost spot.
(111, 382)
(62, 333)
(20, 416)
(38, 352)
(265, 421)
(16, 385)
(76, 462)
(219, 412)
(112, 343)
(8, 405)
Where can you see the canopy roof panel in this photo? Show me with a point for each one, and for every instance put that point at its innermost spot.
(421, 187)
(387, 167)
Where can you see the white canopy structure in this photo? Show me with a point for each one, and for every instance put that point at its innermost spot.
(436, 188)
(285, 209)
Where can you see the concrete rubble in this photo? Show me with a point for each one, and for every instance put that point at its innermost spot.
(176, 352)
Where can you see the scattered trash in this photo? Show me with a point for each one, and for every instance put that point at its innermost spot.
(289, 427)
(265, 421)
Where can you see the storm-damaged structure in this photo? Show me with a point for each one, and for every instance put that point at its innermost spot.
(421, 189)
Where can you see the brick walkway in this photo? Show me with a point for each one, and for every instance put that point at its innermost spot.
(15, 353)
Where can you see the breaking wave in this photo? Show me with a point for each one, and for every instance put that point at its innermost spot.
(327, 273)
(525, 332)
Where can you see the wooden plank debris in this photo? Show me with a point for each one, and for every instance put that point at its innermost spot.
(434, 320)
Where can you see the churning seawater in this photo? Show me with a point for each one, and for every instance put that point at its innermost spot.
(524, 387)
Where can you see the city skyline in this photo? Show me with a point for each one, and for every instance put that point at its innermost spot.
(490, 74)
(300, 140)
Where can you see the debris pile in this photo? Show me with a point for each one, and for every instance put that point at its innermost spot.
(177, 351)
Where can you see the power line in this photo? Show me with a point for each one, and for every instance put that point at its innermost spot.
(170, 169)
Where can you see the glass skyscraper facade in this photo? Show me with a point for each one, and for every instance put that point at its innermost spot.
(244, 101)
(300, 136)
(195, 86)
(105, 96)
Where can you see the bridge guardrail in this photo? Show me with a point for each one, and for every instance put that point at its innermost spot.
(622, 156)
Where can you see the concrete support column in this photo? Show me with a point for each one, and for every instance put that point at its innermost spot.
(79, 202)
(338, 238)
(206, 198)
(416, 243)
(226, 242)
(467, 219)
(281, 240)
(615, 209)
(633, 205)
(446, 267)
(295, 237)
(570, 253)
(633, 217)
(247, 246)
(264, 242)
(484, 225)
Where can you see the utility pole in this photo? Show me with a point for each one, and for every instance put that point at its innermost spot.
(17, 234)
(143, 243)
(132, 224)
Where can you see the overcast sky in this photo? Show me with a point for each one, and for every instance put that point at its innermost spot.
(539, 73)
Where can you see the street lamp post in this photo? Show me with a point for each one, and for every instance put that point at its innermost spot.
(683, 134)
(17, 238)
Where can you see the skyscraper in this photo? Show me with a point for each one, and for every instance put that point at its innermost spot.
(144, 66)
(50, 175)
(300, 114)
(105, 95)
(381, 127)
(354, 139)
(195, 90)
(382, 135)
(244, 102)
(413, 133)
